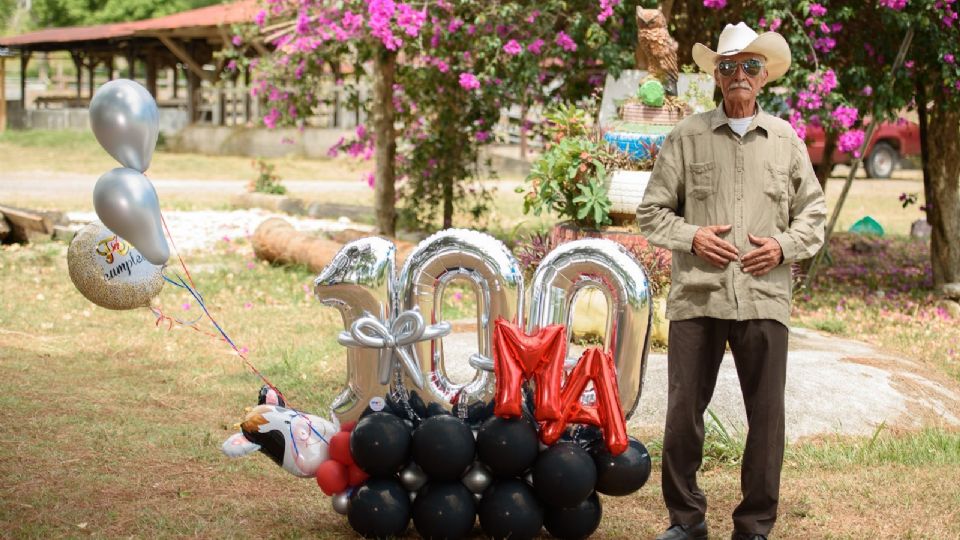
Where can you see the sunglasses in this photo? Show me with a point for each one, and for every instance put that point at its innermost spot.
(751, 67)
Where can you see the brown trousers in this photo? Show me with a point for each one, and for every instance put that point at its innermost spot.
(696, 348)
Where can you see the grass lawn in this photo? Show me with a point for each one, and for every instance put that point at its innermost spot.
(114, 424)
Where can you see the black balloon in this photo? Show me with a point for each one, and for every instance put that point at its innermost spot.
(507, 446)
(380, 444)
(379, 509)
(564, 475)
(509, 509)
(576, 522)
(623, 474)
(444, 510)
(443, 447)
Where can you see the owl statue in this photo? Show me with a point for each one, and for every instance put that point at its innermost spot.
(656, 50)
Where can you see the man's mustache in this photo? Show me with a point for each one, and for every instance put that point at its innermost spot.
(739, 84)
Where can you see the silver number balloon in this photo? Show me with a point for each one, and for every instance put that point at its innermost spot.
(485, 263)
(606, 265)
(359, 282)
(126, 122)
(127, 204)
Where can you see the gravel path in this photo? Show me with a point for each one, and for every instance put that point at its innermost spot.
(202, 229)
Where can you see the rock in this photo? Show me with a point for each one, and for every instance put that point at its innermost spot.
(952, 308)
(267, 201)
(920, 229)
(65, 233)
(952, 291)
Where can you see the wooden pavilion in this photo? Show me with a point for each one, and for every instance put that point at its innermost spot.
(184, 41)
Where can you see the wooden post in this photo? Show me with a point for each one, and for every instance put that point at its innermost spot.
(193, 89)
(92, 70)
(24, 59)
(110, 72)
(152, 74)
(176, 79)
(131, 62)
(78, 65)
(3, 94)
(246, 95)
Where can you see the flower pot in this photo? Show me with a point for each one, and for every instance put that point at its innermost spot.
(626, 189)
(628, 237)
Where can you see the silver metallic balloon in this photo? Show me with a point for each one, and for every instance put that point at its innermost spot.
(412, 477)
(127, 204)
(109, 272)
(484, 262)
(575, 266)
(341, 502)
(359, 283)
(126, 122)
(478, 478)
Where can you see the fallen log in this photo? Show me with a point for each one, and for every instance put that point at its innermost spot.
(276, 241)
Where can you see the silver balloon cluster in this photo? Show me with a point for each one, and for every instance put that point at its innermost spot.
(126, 122)
(362, 284)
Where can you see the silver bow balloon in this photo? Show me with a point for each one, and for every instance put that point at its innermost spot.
(127, 204)
(359, 283)
(341, 503)
(126, 122)
(394, 340)
(603, 264)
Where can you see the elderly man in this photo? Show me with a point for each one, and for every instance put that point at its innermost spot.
(735, 198)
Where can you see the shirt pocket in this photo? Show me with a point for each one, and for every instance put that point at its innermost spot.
(776, 188)
(703, 183)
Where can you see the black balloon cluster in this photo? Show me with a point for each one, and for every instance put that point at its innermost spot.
(443, 477)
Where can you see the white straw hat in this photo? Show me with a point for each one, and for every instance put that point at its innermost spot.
(741, 39)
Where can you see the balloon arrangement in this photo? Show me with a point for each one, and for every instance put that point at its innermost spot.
(103, 265)
(528, 442)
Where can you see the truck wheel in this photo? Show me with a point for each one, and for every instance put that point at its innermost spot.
(881, 161)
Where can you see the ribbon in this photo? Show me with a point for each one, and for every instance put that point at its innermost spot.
(394, 339)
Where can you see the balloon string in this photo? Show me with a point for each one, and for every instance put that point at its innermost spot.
(192, 289)
(175, 250)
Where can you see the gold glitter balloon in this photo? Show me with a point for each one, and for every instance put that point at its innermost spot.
(109, 271)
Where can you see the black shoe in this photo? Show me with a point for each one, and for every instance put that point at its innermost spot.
(685, 532)
(747, 536)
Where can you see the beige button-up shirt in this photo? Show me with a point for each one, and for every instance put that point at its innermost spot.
(762, 184)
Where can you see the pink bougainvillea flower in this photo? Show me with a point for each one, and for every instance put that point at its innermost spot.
(565, 42)
(469, 81)
(512, 48)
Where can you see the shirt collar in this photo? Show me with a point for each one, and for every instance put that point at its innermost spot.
(760, 120)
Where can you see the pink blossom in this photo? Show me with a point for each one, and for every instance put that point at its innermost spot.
(817, 10)
(850, 141)
(845, 116)
(809, 100)
(469, 81)
(270, 120)
(260, 18)
(410, 19)
(566, 42)
(825, 44)
(867, 91)
(798, 125)
(715, 4)
(809, 21)
(896, 5)
(775, 24)
(237, 41)
(536, 46)
(532, 18)
(606, 9)
(948, 58)
(454, 25)
(232, 65)
(371, 180)
(442, 66)
(303, 22)
(512, 48)
(482, 136)
(186, 306)
(247, 305)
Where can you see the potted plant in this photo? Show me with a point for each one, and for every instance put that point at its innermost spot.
(572, 177)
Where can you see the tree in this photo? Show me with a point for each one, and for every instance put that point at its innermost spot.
(84, 12)
(443, 71)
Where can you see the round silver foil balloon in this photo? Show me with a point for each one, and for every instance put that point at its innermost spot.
(109, 272)
(358, 282)
(341, 502)
(596, 263)
(412, 477)
(127, 204)
(487, 265)
(125, 119)
(478, 478)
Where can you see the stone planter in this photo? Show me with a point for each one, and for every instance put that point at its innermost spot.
(626, 236)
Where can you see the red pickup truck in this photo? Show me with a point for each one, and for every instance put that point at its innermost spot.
(891, 142)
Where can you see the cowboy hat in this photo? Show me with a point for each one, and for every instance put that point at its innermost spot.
(742, 39)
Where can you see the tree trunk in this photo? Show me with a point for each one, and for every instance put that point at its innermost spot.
(825, 167)
(943, 211)
(385, 149)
